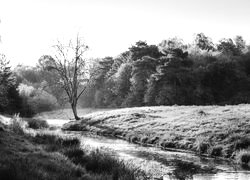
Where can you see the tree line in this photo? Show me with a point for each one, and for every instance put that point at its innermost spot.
(170, 73)
(173, 73)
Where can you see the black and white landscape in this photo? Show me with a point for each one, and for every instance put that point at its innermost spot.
(124, 89)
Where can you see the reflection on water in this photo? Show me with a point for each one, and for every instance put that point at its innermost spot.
(57, 122)
(229, 175)
(168, 165)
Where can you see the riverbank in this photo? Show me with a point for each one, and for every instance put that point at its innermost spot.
(217, 131)
(43, 155)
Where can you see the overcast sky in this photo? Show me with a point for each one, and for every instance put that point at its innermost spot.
(29, 28)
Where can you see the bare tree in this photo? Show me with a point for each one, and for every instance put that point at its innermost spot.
(69, 64)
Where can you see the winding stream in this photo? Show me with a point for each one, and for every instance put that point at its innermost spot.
(165, 165)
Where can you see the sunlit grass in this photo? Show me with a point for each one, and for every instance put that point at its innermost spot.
(210, 130)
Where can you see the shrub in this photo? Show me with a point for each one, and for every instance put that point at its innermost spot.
(243, 157)
(37, 123)
(36, 100)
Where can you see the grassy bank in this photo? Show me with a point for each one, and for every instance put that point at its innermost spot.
(45, 156)
(219, 131)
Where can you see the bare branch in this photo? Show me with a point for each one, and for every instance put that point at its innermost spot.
(70, 65)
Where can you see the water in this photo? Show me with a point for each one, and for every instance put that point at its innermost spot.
(166, 165)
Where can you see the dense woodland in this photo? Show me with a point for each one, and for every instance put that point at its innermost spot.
(170, 73)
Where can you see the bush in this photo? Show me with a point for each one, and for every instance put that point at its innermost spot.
(243, 157)
(37, 123)
(36, 100)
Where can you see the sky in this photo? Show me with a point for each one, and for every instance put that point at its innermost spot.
(29, 28)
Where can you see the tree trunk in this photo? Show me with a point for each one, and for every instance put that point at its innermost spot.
(75, 87)
(73, 106)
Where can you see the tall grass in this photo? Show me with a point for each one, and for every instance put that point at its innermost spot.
(63, 159)
(55, 143)
(17, 125)
(40, 166)
(202, 145)
(243, 157)
(97, 162)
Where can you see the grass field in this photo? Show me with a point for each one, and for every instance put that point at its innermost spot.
(219, 131)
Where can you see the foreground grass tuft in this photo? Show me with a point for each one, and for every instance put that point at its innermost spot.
(17, 125)
(243, 158)
(216, 151)
(242, 143)
(101, 162)
(202, 145)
